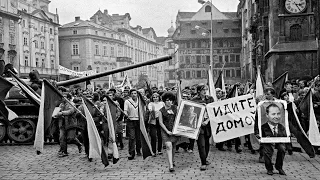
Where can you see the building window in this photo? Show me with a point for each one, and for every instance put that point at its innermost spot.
(41, 28)
(187, 59)
(122, 74)
(37, 62)
(198, 74)
(23, 23)
(43, 64)
(237, 58)
(52, 64)
(188, 75)
(232, 58)
(42, 45)
(96, 32)
(75, 32)
(97, 69)
(75, 68)
(112, 52)
(26, 61)
(1, 21)
(198, 59)
(228, 73)
(193, 31)
(25, 41)
(11, 40)
(208, 60)
(220, 44)
(226, 58)
(225, 30)
(207, 8)
(295, 32)
(51, 31)
(204, 73)
(51, 47)
(238, 73)
(97, 49)
(105, 50)
(1, 37)
(221, 59)
(75, 49)
(36, 44)
(231, 44)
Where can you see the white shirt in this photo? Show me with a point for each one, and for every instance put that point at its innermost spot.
(157, 107)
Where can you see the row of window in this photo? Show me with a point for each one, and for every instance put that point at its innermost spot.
(206, 43)
(24, 24)
(36, 45)
(228, 58)
(225, 30)
(38, 63)
(200, 74)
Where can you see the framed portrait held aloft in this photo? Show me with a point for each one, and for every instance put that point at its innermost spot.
(273, 122)
(188, 120)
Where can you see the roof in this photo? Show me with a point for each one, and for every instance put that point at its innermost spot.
(82, 23)
(147, 30)
(105, 19)
(117, 17)
(293, 47)
(187, 29)
(231, 15)
(161, 40)
(186, 15)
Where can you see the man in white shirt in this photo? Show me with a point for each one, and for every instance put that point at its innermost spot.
(131, 109)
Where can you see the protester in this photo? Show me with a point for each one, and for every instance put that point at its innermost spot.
(133, 124)
(205, 130)
(167, 115)
(155, 132)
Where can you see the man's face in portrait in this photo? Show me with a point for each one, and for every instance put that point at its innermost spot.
(274, 115)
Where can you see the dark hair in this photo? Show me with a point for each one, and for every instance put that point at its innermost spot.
(168, 95)
(287, 82)
(271, 105)
(112, 90)
(200, 88)
(95, 97)
(132, 90)
(283, 94)
(270, 89)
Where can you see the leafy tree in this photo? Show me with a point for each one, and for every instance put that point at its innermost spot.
(142, 79)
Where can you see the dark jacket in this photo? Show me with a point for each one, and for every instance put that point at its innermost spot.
(267, 132)
(207, 99)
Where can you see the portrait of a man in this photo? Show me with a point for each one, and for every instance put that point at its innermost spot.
(189, 117)
(273, 128)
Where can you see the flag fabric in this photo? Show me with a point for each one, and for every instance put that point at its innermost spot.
(297, 130)
(27, 90)
(220, 82)
(111, 83)
(5, 86)
(145, 142)
(233, 92)
(212, 89)
(179, 94)
(148, 90)
(109, 103)
(96, 149)
(125, 83)
(201, 1)
(278, 84)
(50, 98)
(259, 85)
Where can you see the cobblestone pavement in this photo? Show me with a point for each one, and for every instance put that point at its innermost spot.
(21, 162)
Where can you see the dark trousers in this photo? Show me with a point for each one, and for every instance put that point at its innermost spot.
(191, 144)
(219, 145)
(203, 147)
(67, 137)
(268, 152)
(155, 134)
(237, 143)
(133, 131)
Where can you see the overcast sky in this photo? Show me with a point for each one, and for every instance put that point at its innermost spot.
(146, 13)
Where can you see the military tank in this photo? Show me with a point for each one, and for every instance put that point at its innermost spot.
(22, 129)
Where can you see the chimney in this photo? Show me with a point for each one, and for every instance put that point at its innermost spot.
(77, 18)
(105, 12)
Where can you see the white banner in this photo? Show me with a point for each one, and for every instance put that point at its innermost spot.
(232, 117)
(66, 71)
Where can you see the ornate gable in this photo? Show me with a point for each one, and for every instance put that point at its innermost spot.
(204, 13)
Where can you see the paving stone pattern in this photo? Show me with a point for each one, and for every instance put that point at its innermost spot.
(21, 162)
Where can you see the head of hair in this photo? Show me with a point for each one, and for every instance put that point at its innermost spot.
(112, 90)
(200, 87)
(132, 90)
(168, 95)
(287, 82)
(271, 105)
(270, 89)
(95, 96)
(283, 94)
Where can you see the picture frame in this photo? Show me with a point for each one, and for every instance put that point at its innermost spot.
(189, 119)
(265, 132)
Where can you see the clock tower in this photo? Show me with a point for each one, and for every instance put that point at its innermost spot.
(290, 38)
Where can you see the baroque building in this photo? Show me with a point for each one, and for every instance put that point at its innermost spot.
(193, 39)
(283, 37)
(38, 39)
(85, 45)
(9, 23)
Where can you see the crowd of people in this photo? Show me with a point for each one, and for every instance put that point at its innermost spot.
(161, 105)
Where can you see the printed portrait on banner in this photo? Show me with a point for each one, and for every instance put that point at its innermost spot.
(273, 122)
(189, 119)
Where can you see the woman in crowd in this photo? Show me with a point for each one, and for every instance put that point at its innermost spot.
(154, 106)
(167, 115)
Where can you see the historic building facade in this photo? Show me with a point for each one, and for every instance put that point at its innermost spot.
(193, 38)
(9, 23)
(85, 45)
(283, 37)
(38, 39)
